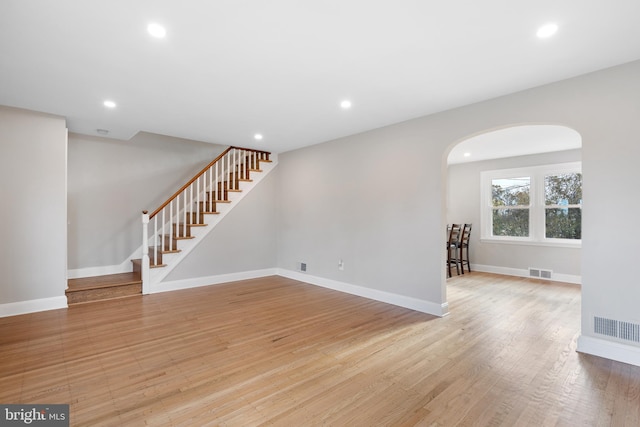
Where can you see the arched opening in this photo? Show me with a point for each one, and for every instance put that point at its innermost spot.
(523, 162)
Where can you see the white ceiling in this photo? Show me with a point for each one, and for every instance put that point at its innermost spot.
(230, 68)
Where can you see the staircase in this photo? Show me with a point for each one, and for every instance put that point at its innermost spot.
(110, 286)
(177, 226)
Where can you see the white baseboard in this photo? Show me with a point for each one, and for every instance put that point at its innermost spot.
(196, 282)
(374, 294)
(609, 350)
(556, 277)
(32, 306)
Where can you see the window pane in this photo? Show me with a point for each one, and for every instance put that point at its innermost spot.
(563, 223)
(511, 222)
(510, 191)
(563, 189)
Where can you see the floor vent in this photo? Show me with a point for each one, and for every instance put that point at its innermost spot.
(539, 273)
(618, 329)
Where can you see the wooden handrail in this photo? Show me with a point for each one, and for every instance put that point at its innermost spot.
(199, 174)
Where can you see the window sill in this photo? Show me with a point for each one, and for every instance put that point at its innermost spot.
(564, 244)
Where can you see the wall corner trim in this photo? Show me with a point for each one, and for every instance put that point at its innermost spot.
(609, 350)
(32, 306)
(422, 306)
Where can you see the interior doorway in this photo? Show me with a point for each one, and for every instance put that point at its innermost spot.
(519, 149)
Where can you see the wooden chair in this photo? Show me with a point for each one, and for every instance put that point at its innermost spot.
(463, 247)
(452, 248)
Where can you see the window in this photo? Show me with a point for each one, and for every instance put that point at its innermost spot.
(536, 205)
(510, 200)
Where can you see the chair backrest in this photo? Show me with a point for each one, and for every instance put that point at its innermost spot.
(465, 234)
(454, 234)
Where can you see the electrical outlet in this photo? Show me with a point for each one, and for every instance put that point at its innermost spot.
(340, 264)
(303, 266)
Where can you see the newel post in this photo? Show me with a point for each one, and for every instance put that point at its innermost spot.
(145, 253)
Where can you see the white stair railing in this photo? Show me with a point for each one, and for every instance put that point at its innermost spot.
(172, 221)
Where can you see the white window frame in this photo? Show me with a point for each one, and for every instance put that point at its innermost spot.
(537, 205)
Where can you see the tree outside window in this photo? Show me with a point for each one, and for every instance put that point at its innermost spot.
(539, 205)
(563, 206)
(510, 200)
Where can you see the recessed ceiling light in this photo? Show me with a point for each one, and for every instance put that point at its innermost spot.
(467, 154)
(547, 30)
(156, 30)
(257, 137)
(109, 104)
(102, 131)
(346, 104)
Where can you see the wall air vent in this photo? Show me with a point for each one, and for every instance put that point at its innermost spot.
(629, 331)
(617, 329)
(539, 273)
(608, 327)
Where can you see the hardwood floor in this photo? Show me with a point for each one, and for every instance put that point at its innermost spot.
(277, 352)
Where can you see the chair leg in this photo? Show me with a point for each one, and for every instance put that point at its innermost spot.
(468, 262)
(455, 260)
(464, 258)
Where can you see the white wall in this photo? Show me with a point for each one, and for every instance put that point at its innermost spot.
(33, 218)
(112, 181)
(378, 198)
(363, 199)
(463, 206)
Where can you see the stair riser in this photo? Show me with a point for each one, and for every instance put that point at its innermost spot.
(208, 208)
(178, 231)
(217, 195)
(152, 259)
(91, 295)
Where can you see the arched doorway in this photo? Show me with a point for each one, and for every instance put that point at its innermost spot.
(531, 151)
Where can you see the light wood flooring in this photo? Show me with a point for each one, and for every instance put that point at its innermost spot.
(274, 351)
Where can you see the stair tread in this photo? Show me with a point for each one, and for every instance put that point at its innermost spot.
(138, 263)
(168, 251)
(106, 281)
(174, 237)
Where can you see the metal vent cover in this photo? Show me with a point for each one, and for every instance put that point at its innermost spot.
(614, 328)
(629, 331)
(540, 273)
